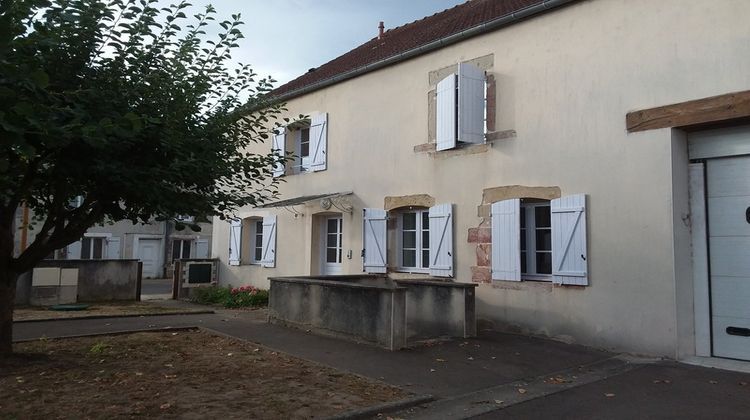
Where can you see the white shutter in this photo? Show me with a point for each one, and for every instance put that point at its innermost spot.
(374, 235)
(74, 251)
(113, 248)
(269, 242)
(506, 237)
(235, 241)
(201, 248)
(318, 141)
(445, 116)
(471, 88)
(279, 148)
(441, 240)
(569, 255)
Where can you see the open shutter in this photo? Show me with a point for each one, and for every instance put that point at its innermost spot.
(374, 235)
(201, 248)
(569, 255)
(471, 88)
(318, 141)
(113, 248)
(269, 241)
(441, 240)
(279, 147)
(74, 251)
(235, 241)
(445, 116)
(506, 237)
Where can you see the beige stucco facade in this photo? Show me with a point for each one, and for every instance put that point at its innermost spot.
(564, 82)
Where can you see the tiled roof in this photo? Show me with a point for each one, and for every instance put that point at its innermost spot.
(408, 37)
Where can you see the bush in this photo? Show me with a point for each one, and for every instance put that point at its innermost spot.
(235, 297)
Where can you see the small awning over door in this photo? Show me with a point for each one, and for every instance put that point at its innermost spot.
(303, 199)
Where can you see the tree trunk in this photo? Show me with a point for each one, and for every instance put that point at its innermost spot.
(7, 298)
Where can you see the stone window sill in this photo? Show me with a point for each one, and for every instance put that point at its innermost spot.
(466, 149)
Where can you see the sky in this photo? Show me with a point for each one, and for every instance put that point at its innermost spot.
(285, 38)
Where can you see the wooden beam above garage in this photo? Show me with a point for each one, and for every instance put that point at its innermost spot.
(730, 106)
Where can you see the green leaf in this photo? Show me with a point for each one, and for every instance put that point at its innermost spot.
(40, 78)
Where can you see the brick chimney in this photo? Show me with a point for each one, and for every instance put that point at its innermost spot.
(381, 28)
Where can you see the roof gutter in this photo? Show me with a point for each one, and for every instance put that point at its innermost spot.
(434, 45)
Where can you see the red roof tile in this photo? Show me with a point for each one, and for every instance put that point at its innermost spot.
(408, 37)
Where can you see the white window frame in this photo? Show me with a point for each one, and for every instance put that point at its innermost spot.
(182, 247)
(530, 228)
(302, 163)
(421, 214)
(255, 234)
(104, 237)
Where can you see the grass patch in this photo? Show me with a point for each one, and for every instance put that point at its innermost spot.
(231, 297)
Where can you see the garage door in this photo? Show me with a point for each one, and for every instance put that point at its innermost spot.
(728, 199)
(149, 252)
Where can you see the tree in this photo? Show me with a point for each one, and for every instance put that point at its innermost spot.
(120, 105)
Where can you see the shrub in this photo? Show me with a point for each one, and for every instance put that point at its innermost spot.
(235, 297)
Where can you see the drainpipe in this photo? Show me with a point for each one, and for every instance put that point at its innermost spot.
(167, 233)
(434, 45)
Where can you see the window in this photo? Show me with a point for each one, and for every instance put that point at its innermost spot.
(461, 107)
(181, 248)
(304, 142)
(256, 241)
(333, 240)
(92, 248)
(540, 240)
(307, 140)
(414, 240)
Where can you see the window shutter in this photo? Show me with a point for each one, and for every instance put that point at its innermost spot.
(441, 240)
(445, 116)
(74, 251)
(201, 248)
(279, 147)
(269, 241)
(235, 241)
(506, 236)
(569, 265)
(113, 248)
(471, 88)
(318, 141)
(375, 250)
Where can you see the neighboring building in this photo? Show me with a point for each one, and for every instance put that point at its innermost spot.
(515, 144)
(156, 244)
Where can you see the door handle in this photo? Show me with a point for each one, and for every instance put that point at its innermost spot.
(742, 332)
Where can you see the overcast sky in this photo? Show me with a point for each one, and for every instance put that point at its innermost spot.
(285, 38)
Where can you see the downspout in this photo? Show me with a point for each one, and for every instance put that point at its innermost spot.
(167, 246)
(434, 45)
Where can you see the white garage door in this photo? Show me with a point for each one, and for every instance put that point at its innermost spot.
(149, 252)
(728, 197)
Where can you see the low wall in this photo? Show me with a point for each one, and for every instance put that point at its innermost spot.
(439, 309)
(361, 312)
(104, 280)
(183, 285)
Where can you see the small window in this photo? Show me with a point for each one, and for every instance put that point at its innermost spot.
(181, 248)
(414, 240)
(536, 240)
(304, 142)
(92, 248)
(256, 236)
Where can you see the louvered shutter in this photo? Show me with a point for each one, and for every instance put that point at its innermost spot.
(471, 88)
(235, 241)
(569, 257)
(441, 240)
(279, 148)
(269, 242)
(113, 248)
(318, 141)
(506, 237)
(445, 116)
(374, 235)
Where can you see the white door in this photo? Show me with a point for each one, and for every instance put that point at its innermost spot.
(332, 250)
(149, 252)
(728, 199)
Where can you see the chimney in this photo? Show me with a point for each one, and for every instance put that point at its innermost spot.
(381, 27)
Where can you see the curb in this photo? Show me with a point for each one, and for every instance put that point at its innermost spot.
(374, 410)
(198, 312)
(118, 332)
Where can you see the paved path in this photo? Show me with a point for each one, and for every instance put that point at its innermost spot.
(477, 377)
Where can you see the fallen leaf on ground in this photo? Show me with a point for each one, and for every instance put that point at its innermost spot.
(439, 360)
(165, 406)
(743, 383)
(713, 382)
(609, 395)
(432, 370)
(499, 401)
(470, 358)
(521, 391)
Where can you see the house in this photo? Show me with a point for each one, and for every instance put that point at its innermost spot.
(156, 244)
(585, 162)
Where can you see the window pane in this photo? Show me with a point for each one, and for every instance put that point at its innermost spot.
(410, 221)
(333, 225)
(523, 239)
(259, 240)
(258, 254)
(544, 263)
(425, 239)
(339, 255)
(98, 244)
(185, 249)
(175, 249)
(523, 263)
(542, 216)
(331, 254)
(410, 239)
(259, 227)
(523, 217)
(425, 220)
(305, 142)
(543, 240)
(332, 239)
(425, 259)
(86, 248)
(409, 258)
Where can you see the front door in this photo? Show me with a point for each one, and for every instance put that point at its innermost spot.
(332, 237)
(728, 205)
(149, 252)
